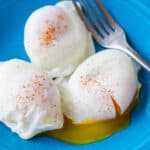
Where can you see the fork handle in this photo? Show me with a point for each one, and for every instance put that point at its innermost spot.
(133, 54)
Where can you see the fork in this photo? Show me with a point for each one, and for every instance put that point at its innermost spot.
(108, 36)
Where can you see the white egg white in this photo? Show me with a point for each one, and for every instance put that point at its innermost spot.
(102, 87)
(29, 100)
(56, 39)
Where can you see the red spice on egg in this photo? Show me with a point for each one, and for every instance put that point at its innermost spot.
(54, 29)
(30, 89)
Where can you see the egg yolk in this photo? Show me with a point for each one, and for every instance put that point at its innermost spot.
(91, 131)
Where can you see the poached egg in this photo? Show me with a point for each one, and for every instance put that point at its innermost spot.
(29, 100)
(101, 88)
(98, 98)
(56, 39)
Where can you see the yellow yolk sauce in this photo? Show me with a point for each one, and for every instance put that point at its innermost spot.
(91, 131)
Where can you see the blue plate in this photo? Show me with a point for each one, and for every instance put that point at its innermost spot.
(134, 17)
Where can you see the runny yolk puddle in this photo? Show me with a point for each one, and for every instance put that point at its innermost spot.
(92, 131)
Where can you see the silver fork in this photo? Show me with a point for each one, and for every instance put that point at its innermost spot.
(112, 35)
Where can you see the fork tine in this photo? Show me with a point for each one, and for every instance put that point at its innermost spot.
(87, 24)
(106, 27)
(107, 15)
(92, 18)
